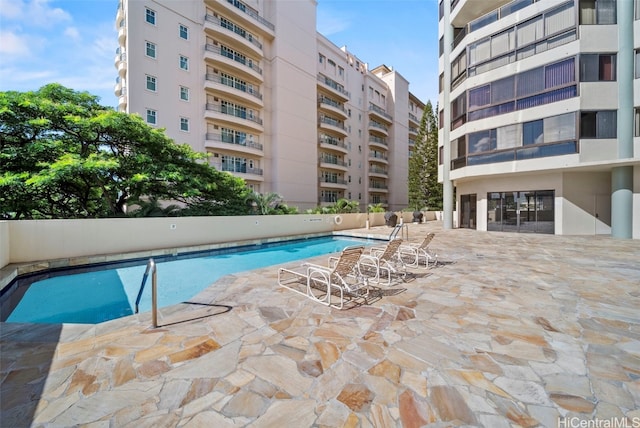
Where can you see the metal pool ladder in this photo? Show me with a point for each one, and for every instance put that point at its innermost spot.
(151, 268)
(400, 227)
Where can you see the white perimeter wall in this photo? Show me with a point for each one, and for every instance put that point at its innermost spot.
(44, 240)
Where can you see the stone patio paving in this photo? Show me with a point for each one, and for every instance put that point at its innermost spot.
(512, 330)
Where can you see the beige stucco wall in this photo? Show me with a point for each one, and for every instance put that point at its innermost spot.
(4, 243)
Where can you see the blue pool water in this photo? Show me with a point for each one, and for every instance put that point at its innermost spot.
(101, 295)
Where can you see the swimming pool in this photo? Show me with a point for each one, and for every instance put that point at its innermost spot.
(108, 292)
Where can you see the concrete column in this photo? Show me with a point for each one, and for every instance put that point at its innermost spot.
(622, 177)
(447, 185)
(622, 202)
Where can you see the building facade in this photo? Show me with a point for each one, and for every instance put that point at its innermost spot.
(540, 124)
(271, 100)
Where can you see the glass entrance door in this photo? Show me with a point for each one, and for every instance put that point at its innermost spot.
(531, 211)
(468, 212)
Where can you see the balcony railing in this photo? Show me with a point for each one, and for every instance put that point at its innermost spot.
(332, 103)
(378, 125)
(380, 186)
(234, 29)
(378, 140)
(242, 169)
(244, 8)
(332, 180)
(234, 56)
(332, 122)
(333, 142)
(377, 170)
(333, 161)
(377, 155)
(333, 84)
(381, 112)
(234, 84)
(231, 111)
(230, 140)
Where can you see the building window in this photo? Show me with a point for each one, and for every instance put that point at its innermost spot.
(184, 62)
(600, 12)
(548, 30)
(321, 58)
(150, 49)
(637, 63)
(597, 67)
(184, 124)
(150, 16)
(441, 46)
(598, 124)
(184, 32)
(441, 10)
(152, 117)
(532, 132)
(151, 83)
(184, 93)
(636, 117)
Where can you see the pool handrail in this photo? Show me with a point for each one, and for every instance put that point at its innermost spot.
(151, 267)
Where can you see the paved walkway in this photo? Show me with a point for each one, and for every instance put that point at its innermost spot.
(512, 330)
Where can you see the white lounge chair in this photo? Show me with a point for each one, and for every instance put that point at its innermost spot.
(339, 280)
(418, 254)
(383, 262)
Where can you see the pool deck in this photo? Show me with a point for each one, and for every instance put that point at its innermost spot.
(510, 330)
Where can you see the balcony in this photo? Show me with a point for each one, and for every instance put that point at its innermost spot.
(377, 112)
(332, 106)
(333, 125)
(217, 141)
(377, 171)
(378, 127)
(121, 64)
(233, 116)
(240, 170)
(333, 183)
(333, 87)
(378, 141)
(250, 16)
(234, 61)
(378, 157)
(413, 119)
(122, 101)
(119, 89)
(234, 89)
(376, 187)
(329, 162)
(333, 144)
(122, 35)
(232, 33)
(413, 131)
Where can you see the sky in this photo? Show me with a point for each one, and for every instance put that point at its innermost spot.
(73, 42)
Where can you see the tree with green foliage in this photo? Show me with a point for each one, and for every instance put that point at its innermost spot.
(424, 189)
(268, 204)
(63, 155)
(342, 206)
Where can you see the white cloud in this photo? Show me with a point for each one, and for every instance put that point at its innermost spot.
(43, 15)
(11, 9)
(37, 13)
(72, 32)
(13, 44)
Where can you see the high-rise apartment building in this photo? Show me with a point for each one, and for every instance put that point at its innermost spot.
(540, 127)
(273, 101)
